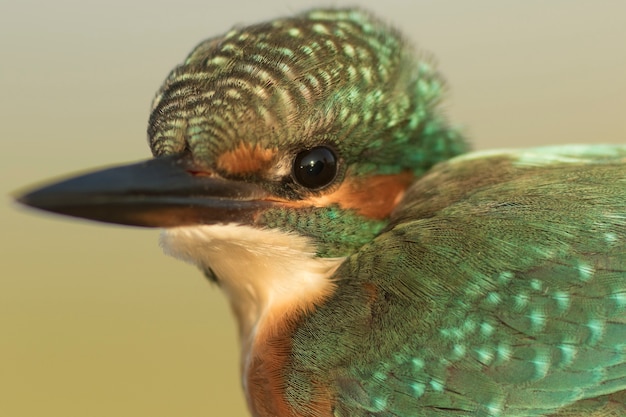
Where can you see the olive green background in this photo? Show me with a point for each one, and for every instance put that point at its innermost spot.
(94, 320)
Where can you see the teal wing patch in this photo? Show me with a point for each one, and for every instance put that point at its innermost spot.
(499, 290)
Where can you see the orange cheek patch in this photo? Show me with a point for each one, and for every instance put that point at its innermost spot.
(374, 197)
(246, 159)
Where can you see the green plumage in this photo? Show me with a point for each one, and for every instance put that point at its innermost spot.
(336, 232)
(500, 290)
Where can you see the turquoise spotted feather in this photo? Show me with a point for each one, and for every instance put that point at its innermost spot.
(503, 277)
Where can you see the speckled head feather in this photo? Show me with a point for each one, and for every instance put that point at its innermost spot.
(245, 104)
(336, 77)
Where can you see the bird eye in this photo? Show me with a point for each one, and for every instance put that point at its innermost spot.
(315, 168)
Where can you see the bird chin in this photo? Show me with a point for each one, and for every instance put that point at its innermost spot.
(264, 272)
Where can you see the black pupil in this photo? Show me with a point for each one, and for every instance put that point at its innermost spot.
(315, 168)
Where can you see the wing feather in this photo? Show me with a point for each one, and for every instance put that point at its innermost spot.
(498, 289)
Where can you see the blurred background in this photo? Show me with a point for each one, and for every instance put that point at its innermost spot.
(94, 320)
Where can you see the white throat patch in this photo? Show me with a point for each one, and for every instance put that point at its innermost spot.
(264, 272)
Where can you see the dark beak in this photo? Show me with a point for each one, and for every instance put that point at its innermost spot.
(161, 192)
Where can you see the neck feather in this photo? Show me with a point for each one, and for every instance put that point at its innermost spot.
(267, 274)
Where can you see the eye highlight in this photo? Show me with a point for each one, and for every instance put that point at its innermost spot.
(315, 168)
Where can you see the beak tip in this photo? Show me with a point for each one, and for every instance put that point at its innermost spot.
(39, 198)
(25, 198)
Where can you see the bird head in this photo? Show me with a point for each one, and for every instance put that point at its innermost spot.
(328, 115)
(284, 143)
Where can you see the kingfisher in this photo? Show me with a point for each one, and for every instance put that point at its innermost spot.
(374, 266)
